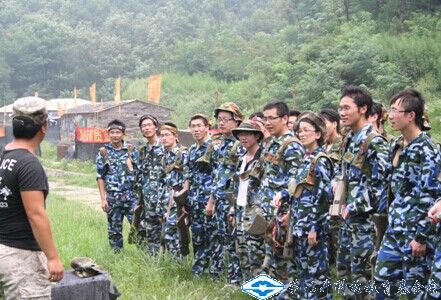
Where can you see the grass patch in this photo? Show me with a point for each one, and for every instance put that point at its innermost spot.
(80, 231)
(49, 160)
(82, 180)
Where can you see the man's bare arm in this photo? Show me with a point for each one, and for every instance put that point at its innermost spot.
(33, 202)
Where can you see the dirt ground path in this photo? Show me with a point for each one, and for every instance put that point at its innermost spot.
(59, 187)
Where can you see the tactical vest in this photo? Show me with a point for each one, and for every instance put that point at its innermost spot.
(255, 171)
(129, 162)
(296, 188)
(232, 158)
(277, 158)
(177, 164)
(359, 159)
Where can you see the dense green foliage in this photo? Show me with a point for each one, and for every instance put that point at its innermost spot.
(301, 51)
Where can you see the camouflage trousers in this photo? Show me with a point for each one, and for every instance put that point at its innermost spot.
(397, 272)
(120, 205)
(251, 248)
(149, 235)
(203, 229)
(170, 232)
(333, 239)
(285, 269)
(343, 259)
(226, 243)
(313, 276)
(433, 290)
(361, 246)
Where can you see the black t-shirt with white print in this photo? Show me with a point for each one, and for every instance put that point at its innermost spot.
(20, 170)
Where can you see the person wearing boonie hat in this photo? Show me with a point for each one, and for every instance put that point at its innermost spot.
(116, 164)
(308, 194)
(228, 116)
(199, 174)
(30, 261)
(151, 174)
(251, 246)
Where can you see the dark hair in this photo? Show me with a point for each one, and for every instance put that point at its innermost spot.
(199, 117)
(332, 116)
(294, 113)
(24, 128)
(281, 107)
(117, 123)
(257, 114)
(377, 109)
(360, 95)
(149, 117)
(412, 100)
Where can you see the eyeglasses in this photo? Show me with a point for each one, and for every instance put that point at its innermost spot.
(266, 119)
(224, 120)
(396, 111)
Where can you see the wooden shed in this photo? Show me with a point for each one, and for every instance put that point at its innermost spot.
(99, 115)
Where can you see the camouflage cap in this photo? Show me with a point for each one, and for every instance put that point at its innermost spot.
(247, 127)
(33, 108)
(230, 107)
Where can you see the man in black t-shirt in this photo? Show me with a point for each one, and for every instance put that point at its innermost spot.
(28, 257)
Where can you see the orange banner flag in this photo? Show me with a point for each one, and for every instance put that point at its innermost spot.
(118, 90)
(92, 93)
(154, 88)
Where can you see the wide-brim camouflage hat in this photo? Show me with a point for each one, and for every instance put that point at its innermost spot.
(230, 107)
(33, 108)
(247, 127)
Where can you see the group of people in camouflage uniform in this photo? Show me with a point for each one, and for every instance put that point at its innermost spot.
(288, 194)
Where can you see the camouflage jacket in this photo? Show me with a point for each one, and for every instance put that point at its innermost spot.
(173, 163)
(366, 167)
(226, 156)
(152, 174)
(281, 158)
(310, 194)
(415, 185)
(252, 173)
(117, 167)
(199, 174)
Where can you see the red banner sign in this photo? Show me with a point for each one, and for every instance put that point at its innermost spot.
(91, 135)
